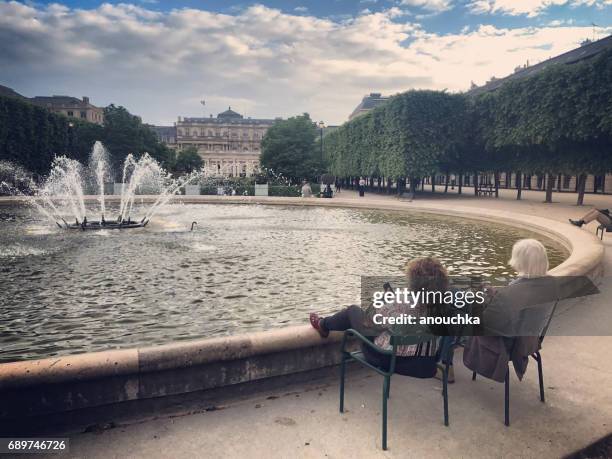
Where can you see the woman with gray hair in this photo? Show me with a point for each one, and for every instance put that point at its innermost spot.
(529, 259)
(506, 337)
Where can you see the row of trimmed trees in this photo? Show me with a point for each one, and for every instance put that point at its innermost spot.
(558, 121)
(31, 136)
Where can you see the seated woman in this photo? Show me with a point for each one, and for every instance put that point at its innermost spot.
(423, 273)
(601, 215)
(489, 355)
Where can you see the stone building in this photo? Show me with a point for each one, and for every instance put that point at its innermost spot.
(369, 102)
(71, 107)
(229, 144)
(165, 134)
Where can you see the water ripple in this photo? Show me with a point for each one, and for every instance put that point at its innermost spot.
(244, 268)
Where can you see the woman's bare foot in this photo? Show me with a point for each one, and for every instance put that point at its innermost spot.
(315, 321)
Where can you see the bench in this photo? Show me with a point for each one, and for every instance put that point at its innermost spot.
(486, 191)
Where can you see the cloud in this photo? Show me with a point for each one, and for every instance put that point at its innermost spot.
(429, 5)
(561, 22)
(261, 61)
(599, 4)
(300, 9)
(530, 8)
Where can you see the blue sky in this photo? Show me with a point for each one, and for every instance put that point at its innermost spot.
(277, 58)
(452, 20)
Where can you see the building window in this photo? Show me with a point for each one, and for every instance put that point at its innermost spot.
(83, 115)
(70, 114)
(566, 181)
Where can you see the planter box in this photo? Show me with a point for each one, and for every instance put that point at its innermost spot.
(192, 190)
(261, 189)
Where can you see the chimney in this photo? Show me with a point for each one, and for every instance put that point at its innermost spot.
(85, 100)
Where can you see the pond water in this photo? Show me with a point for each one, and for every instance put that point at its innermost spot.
(243, 268)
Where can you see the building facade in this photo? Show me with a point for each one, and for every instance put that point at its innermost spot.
(71, 107)
(165, 134)
(229, 144)
(369, 102)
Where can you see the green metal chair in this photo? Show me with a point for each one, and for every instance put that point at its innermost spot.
(419, 340)
(538, 317)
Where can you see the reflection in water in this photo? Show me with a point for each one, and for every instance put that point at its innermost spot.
(243, 268)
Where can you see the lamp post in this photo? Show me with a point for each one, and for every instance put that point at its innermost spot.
(321, 127)
(71, 137)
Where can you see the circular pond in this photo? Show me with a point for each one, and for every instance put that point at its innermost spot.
(242, 268)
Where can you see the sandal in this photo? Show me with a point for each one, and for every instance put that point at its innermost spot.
(315, 321)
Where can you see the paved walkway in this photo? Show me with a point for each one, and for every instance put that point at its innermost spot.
(303, 420)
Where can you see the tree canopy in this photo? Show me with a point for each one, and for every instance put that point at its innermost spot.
(556, 121)
(188, 160)
(32, 136)
(290, 148)
(125, 133)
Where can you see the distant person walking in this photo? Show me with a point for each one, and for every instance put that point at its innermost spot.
(337, 186)
(306, 190)
(362, 187)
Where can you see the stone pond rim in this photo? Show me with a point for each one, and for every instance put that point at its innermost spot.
(58, 385)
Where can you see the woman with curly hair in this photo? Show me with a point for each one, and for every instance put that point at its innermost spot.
(423, 273)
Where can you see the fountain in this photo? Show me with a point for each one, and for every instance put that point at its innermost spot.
(61, 197)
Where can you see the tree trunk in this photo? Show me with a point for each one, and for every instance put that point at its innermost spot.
(389, 184)
(433, 183)
(558, 182)
(459, 191)
(519, 185)
(496, 178)
(508, 180)
(476, 184)
(550, 182)
(413, 185)
(581, 179)
(446, 182)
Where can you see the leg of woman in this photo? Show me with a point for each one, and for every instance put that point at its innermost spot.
(591, 215)
(604, 219)
(587, 218)
(351, 317)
